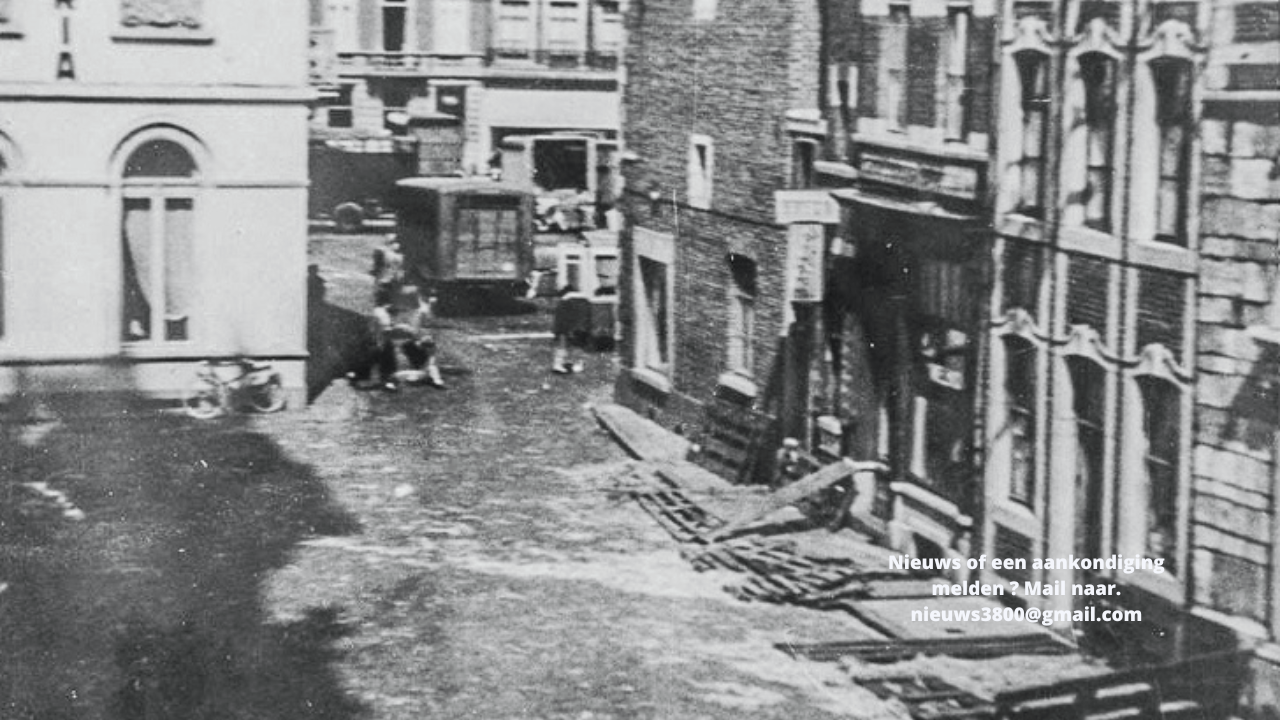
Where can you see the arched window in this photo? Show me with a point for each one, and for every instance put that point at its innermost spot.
(157, 241)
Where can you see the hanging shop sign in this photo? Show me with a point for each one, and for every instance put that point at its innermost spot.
(805, 206)
(804, 262)
(919, 173)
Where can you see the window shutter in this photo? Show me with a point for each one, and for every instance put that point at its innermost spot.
(1161, 307)
(922, 70)
(868, 66)
(1088, 293)
(982, 32)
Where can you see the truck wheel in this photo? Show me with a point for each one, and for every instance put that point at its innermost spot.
(348, 217)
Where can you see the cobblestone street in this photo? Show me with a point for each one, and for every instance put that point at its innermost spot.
(428, 553)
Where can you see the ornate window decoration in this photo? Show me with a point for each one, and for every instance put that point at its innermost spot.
(1092, 96)
(163, 14)
(1164, 134)
(1016, 410)
(1155, 449)
(1025, 110)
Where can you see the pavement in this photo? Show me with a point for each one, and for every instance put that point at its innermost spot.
(476, 552)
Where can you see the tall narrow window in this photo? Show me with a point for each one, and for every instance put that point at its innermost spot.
(565, 32)
(700, 171)
(803, 154)
(395, 17)
(1033, 74)
(1098, 73)
(1088, 385)
(955, 96)
(452, 33)
(608, 29)
(1020, 398)
(742, 314)
(515, 28)
(652, 342)
(157, 241)
(1161, 425)
(893, 63)
(1172, 77)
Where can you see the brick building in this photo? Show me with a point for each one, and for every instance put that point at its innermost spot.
(498, 67)
(705, 311)
(903, 145)
(1131, 402)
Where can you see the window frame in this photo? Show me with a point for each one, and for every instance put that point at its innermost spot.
(894, 62)
(953, 74)
(743, 292)
(159, 191)
(1033, 152)
(406, 27)
(701, 172)
(1101, 117)
(659, 248)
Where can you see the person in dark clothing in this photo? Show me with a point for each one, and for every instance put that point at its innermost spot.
(570, 328)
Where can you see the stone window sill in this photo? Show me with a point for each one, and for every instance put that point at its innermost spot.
(652, 378)
(163, 37)
(739, 384)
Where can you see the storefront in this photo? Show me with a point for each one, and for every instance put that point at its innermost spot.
(902, 322)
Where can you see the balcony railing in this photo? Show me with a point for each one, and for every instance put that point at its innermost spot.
(405, 62)
(410, 63)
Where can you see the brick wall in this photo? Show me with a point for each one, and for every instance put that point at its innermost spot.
(1237, 402)
(732, 79)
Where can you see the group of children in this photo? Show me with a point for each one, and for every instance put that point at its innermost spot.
(401, 323)
(402, 320)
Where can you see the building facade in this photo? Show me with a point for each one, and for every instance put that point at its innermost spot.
(1131, 404)
(707, 344)
(499, 67)
(153, 191)
(904, 147)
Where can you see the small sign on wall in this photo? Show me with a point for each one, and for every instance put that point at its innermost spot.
(805, 206)
(804, 262)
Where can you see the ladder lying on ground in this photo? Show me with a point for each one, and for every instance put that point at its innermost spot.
(1206, 687)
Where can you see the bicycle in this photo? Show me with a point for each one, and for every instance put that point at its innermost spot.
(257, 386)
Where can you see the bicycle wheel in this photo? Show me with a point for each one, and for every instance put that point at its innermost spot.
(266, 397)
(204, 399)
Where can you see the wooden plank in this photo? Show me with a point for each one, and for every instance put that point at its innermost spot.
(790, 494)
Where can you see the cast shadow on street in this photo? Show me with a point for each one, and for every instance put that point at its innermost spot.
(134, 547)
